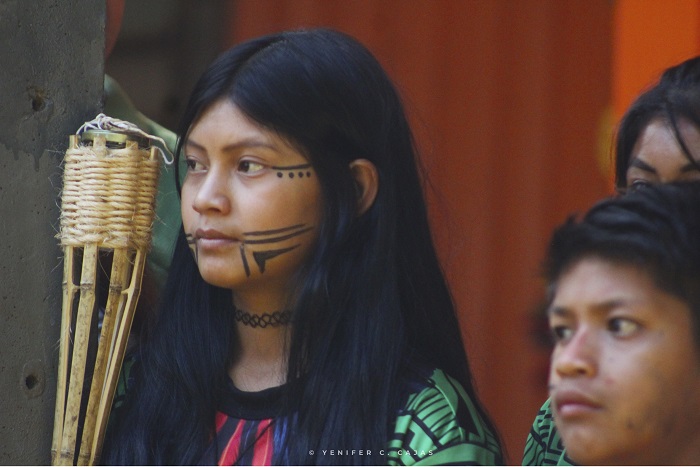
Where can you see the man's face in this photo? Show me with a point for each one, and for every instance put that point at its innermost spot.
(625, 371)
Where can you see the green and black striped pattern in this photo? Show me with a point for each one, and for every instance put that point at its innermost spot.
(440, 426)
(544, 446)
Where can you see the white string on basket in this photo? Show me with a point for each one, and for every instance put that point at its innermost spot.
(104, 122)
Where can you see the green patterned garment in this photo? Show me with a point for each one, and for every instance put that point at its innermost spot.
(440, 426)
(544, 446)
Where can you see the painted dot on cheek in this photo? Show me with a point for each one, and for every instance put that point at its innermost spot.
(308, 174)
(301, 174)
(279, 174)
(291, 174)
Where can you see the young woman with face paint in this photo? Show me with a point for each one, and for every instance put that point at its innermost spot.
(306, 319)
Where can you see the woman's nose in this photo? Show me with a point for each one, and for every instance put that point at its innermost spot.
(213, 194)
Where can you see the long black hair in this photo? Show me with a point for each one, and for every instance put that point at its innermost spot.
(373, 296)
(674, 97)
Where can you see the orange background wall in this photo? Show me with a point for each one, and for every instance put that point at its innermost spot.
(650, 36)
(513, 105)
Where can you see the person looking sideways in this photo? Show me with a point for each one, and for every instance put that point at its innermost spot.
(658, 138)
(657, 141)
(305, 318)
(624, 310)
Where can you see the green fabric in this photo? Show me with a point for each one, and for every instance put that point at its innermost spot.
(438, 426)
(168, 220)
(544, 445)
(441, 426)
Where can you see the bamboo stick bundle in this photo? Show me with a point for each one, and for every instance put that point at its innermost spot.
(107, 210)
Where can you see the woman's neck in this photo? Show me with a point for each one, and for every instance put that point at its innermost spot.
(260, 361)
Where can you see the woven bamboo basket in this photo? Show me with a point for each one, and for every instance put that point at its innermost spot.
(107, 211)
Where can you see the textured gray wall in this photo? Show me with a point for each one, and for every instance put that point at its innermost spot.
(51, 69)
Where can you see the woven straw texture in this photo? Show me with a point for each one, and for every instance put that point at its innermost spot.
(108, 196)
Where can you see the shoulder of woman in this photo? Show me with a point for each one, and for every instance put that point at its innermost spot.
(440, 424)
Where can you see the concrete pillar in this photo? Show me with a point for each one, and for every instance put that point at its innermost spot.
(52, 58)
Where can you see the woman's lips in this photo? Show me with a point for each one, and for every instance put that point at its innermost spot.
(211, 238)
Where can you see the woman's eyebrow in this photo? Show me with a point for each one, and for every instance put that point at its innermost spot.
(640, 164)
(245, 143)
(690, 167)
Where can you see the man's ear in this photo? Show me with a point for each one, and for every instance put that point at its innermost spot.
(367, 182)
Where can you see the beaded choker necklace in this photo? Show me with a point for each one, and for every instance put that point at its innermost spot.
(276, 318)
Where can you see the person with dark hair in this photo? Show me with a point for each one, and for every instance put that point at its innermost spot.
(624, 311)
(658, 138)
(306, 319)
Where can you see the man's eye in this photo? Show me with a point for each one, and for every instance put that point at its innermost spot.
(622, 327)
(561, 333)
(249, 167)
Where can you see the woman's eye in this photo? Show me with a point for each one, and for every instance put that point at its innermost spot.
(249, 167)
(622, 327)
(192, 165)
(637, 184)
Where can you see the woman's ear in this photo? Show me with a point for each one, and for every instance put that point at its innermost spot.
(367, 182)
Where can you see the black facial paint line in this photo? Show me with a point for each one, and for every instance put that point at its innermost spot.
(280, 238)
(245, 260)
(193, 247)
(273, 232)
(262, 256)
(273, 236)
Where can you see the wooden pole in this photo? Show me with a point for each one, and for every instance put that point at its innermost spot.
(119, 280)
(69, 289)
(86, 306)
